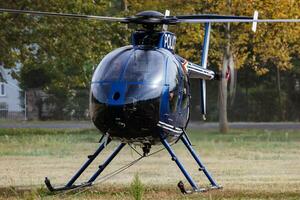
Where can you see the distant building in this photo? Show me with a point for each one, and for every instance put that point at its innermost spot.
(10, 101)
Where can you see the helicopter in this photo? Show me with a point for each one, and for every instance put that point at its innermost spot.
(140, 93)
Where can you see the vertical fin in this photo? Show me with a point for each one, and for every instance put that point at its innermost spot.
(204, 65)
(255, 17)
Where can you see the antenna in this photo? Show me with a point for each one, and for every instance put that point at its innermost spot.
(165, 26)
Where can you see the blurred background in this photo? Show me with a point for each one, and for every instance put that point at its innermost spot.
(46, 64)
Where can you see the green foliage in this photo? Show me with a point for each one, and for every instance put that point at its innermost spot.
(137, 188)
(58, 55)
(59, 45)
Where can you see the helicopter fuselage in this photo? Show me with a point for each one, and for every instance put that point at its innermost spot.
(136, 87)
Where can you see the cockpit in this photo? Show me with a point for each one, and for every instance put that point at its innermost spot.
(133, 87)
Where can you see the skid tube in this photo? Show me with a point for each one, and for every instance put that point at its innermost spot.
(195, 188)
(70, 185)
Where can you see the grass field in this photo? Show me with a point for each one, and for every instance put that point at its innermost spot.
(250, 164)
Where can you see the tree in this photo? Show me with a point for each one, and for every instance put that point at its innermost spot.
(58, 55)
(272, 46)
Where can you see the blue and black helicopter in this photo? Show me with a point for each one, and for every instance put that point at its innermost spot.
(140, 93)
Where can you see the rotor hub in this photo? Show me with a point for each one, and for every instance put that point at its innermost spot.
(151, 18)
(150, 14)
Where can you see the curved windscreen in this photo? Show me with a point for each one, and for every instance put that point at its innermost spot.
(129, 76)
(145, 66)
(112, 65)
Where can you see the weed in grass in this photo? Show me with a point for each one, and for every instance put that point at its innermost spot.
(137, 188)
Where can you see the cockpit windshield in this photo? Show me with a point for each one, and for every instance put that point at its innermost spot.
(132, 74)
(145, 66)
(132, 66)
(111, 67)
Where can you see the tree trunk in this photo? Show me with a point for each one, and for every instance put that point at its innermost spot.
(281, 113)
(223, 121)
(125, 5)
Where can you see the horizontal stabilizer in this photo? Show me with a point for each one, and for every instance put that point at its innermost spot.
(195, 71)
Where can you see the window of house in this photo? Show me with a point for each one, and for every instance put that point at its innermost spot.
(2, 89)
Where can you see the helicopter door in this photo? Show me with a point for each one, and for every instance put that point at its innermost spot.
(178, 94)
(184, 94)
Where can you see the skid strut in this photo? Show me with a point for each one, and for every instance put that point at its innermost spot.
(91, 158)
(202, 168)
(197, 159)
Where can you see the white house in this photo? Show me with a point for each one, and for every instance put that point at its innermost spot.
(10, 101)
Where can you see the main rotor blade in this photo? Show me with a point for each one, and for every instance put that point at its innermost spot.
(79, 16)
(205, 18)
(211, 16)
(238, 20)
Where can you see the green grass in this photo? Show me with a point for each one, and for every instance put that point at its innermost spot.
(162, 192)
(250, 164)
(43, 142)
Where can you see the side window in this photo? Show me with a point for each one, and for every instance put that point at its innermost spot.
(172, 75)
(173, 81)
(2, 89)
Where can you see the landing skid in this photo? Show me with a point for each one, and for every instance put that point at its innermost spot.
(183, 190)
(188, 145)
(70, 185)
(184, 138)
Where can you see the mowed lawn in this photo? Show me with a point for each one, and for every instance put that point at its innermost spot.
(249, 164)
